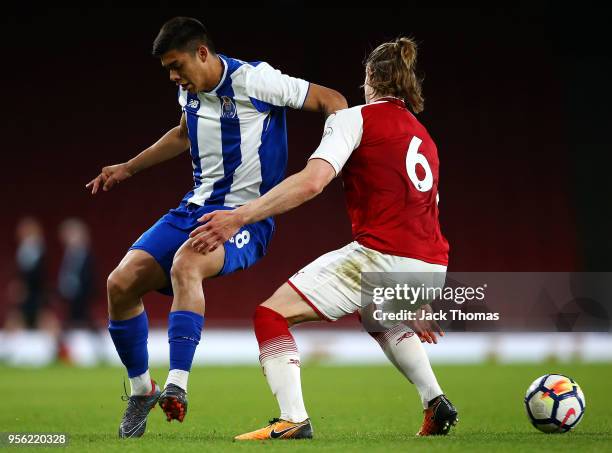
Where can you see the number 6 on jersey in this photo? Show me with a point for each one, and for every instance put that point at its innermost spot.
(412, 159)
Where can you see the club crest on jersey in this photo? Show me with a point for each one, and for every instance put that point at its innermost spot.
(193, 103)
(228, 107)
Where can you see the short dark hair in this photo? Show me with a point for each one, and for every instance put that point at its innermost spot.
(181, 33)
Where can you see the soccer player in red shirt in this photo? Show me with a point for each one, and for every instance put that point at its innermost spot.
(389, 166)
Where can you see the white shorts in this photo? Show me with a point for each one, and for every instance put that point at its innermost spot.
(332, 284)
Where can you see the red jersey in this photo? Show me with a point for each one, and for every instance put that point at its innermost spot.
(390, 173)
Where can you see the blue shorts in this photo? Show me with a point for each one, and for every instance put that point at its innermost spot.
(167, 235)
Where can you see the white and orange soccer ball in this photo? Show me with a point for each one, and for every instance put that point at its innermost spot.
(555, 403)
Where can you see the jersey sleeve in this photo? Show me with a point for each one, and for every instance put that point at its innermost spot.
(342, 135)
(269, 85)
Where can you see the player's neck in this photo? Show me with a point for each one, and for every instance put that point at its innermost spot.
(216, 73)
(381, 97)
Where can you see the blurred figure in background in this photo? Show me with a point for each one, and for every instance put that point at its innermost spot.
(76, 275)
(27, 291)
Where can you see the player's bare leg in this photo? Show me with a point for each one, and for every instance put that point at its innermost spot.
(280, 361)
(137, 274)
(185, 322)
(189, 269)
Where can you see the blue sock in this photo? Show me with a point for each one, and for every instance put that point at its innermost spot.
(130, 338)
(184, 333)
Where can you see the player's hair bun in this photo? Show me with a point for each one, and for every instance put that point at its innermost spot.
(408, 51)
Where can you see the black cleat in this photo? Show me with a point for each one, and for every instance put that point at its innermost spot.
(440, 416)
(134, 421)
(173, 402)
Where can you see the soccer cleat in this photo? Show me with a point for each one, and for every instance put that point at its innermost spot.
(173, 402)
(440, 416)
(280, 429)
(134, 421)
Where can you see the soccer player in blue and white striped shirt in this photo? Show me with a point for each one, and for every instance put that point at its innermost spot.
(233, 122)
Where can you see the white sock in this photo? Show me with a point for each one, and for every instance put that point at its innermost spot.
(404, 349)
(283, 375)
(178, 377)
(141, 385)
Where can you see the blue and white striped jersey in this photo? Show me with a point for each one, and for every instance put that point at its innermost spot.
(238, 132)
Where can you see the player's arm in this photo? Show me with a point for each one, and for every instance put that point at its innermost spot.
(297, 189)
(294, 191)
(173, 143)
(322, 99)
(342, 135)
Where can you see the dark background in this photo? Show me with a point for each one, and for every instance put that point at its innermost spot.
(517, 100)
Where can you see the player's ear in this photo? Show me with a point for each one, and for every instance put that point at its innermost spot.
(202, 53)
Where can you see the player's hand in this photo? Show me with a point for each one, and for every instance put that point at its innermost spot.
(427, 330)
(109, 177)
(218, 227)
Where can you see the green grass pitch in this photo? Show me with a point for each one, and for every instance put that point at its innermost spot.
(352, 409)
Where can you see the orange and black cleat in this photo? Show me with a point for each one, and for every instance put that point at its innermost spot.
(280, 429)
(173, 401)
(440, 416)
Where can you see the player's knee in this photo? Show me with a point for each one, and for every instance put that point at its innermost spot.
(186, 269)
(268, 323)
(182, 269)
(119, 288)
(264, 314)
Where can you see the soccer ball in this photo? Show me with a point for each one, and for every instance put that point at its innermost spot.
(555, 403)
